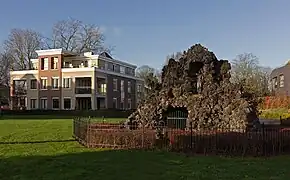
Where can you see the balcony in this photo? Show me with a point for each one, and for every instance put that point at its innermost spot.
(83, 85)
(81, 64)
(102, 91)
(19, 87)
(83, 90)
(101, 86)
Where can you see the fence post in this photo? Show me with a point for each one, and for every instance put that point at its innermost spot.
(191, 136)
(73, 123)
(78, 122)
(88, 132)
(263, 139)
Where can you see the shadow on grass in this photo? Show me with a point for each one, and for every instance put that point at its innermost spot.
(126, 165)
(39, 142)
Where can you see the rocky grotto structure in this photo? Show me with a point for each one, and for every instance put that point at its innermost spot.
(199, 83)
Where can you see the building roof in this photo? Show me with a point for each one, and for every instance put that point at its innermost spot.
(105, 54)
(48, 52)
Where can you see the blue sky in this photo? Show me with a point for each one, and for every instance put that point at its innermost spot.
(146, 31)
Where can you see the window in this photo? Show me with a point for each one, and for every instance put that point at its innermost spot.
(115, 68)
(103, 89)
(66, 64)
(129, 104)
(275, 82)
(33, 84)
(55, 103)
(43, 103)
(54, 82)
(43, 83)
(122, 104)
(110, 66)
(130, 71)
(139, 89)
(122, 85)
(122, 91)
(122, 69)
(54, 63)
(129, 87)
(32, 103)
(115, 84)
(115, 103)
(35, 66)
(44, 63)
(67, 83)
(281, 80)
(67, 103)
(123, 95)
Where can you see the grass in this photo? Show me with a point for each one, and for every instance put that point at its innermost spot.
(45, 150)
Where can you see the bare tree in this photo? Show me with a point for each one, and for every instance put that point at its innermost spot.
(4, 77)
(175, 56)
(20, 47)
(143, 71)
(247, 72)
(74, 35)
(150, 76)
(5, 62)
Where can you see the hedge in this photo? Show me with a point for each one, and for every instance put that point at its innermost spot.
(108, 113)
(275, 114)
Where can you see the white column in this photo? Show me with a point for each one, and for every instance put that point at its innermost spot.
(27, 105)
(93, 87)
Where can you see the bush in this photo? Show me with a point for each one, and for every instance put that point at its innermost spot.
(122, 138)
(108, 113)
(275, 114)
(274, 102)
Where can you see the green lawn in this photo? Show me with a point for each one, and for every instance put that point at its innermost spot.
(52, 154)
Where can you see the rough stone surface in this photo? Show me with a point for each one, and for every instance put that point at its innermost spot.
(199, 82)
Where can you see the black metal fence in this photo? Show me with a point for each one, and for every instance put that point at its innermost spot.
(266, 141)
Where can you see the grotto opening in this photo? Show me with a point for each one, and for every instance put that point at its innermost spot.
(200, 83)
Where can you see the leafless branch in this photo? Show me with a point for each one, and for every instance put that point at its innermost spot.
(74, 35)
(21, 46)
(247, 72)
(5, 61)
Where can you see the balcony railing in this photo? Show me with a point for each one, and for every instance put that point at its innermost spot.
(83, 90)
(70, 66)
(101, 91)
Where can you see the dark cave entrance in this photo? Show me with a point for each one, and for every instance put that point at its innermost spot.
(194, 72)
(176, 117)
